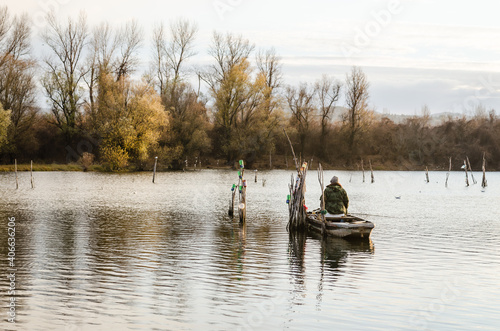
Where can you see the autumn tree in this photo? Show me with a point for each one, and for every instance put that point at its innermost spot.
(233, 92)
(64, 71)
(131, 119)
(187, 131)
(270, 71)
(4, 124)
(17, 81)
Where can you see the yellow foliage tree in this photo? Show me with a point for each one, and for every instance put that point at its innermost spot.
(4, 124)
(130, 119)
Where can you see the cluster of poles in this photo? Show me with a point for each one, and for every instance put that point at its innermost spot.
(31, 175)
(467, 168)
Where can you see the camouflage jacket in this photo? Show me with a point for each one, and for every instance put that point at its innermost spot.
(336, 200)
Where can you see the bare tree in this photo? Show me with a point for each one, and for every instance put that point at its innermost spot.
(64, 70)
(356, 96)
(15, 36)
(301, 104)
(170, 55)
(129, 41)
(328, 93)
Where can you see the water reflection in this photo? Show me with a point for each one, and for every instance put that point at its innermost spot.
(336, 256)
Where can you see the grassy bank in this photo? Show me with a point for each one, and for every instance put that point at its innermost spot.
(48, 167)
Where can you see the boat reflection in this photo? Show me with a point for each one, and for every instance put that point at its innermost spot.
(337, 257)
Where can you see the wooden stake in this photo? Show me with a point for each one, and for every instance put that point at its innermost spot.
(484, 183)
(154, 169)
(466, 174)
(363, 169)
(470, 169)
(231, 202)
(427, 174)
(371, 170)
(448, 174)
(32, 182)
(242, 207)
(15, 170)
(256, 175)
(321, 183)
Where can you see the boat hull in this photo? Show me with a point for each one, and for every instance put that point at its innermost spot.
(347, 227)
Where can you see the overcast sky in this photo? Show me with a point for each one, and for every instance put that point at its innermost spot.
(444, 54)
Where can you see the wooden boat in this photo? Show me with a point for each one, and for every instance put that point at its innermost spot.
(347, 227)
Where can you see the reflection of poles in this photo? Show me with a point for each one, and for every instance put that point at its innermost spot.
(448, 174)
(363, 170)
(371, 171)
(484, 182)
(15, 170)
(31, 172)
(323, 211)
(470, 169)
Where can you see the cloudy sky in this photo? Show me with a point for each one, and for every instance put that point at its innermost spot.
(444, 54)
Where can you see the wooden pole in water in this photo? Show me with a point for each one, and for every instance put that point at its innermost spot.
(15, 170)
(466, 174)
(484, 182)
(363, 170)
(242, 207)
(371, 171)
(448, 174)
(231, 202)
(427, 174)
(31, 171)
(255, 175)
(154, 169)
(323, 211)
(470, 169)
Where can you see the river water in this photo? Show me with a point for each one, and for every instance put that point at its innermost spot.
(116, 252)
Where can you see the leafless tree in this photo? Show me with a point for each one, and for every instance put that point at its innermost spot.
(15, 36)
(301, 103)
(356, 96)
(170, 52)
(129, 41)
(328, 93)
(64, 69)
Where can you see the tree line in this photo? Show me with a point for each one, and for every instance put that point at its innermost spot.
(102, 110)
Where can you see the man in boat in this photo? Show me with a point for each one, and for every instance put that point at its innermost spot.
(336, 199)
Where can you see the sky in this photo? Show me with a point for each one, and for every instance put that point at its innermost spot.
(441, 54)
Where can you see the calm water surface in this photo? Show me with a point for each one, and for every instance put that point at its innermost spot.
(116, 252)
